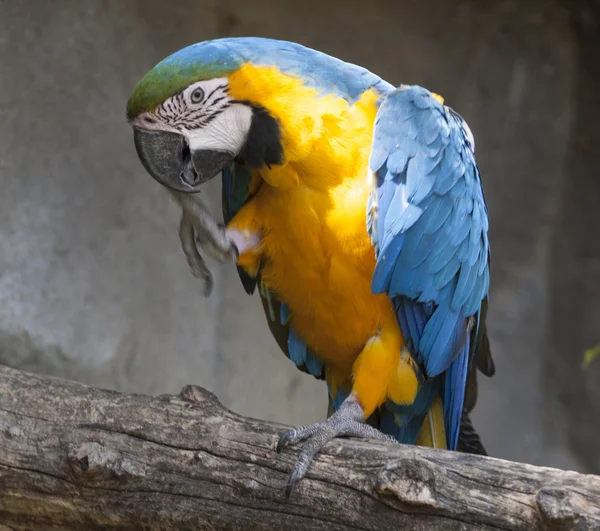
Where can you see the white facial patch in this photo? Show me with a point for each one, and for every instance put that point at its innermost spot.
(227, 132)
(205, 115)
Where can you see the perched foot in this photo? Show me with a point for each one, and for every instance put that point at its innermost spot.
(347, 421)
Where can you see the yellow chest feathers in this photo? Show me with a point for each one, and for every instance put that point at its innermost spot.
(311, 214)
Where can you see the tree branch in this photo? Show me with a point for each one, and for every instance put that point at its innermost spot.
(76, 457)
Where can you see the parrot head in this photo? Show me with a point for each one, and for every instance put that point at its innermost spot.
(188, 125)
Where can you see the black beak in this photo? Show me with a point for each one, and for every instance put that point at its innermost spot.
(167, 158)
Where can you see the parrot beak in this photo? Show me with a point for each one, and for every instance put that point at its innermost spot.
(168, 159)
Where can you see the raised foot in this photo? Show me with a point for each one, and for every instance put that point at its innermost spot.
(190, 237)
(347, 421)
(199, 230)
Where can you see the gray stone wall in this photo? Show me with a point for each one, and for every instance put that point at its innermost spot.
(93, 285)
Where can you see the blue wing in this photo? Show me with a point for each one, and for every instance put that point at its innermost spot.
(428, 221)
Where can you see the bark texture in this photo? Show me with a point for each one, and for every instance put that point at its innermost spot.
(77, 457)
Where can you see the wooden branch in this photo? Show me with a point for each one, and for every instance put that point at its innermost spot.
(75, 457)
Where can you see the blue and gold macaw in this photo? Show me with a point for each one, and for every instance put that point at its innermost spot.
(356, 208)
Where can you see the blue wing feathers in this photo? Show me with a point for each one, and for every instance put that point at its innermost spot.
(465, 253)
(412, 241)
(464, 286)
(378, 157)
(434, 153)
(412, 319)
(299, 353)
(454, 393)
(459, 234)
(436, 214)
(314, 365)
(484, 257)
(387, 424)
(453, 169)
(403, 214)
(421, 98)
(479, 286)
(470, 249)
(424, 246)
(385, 192)
(396, 163)
(284, 314)
(339, 397)
(446, 274)
(404, 421)
(418, 183)
(428, 292)
(439, 339)
(297, 348)
(384, 267)
(458, 190)
(440, 256)
(431, 241)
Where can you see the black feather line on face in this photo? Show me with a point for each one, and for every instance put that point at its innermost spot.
(263, 144)
(220, 87)
(216, 100)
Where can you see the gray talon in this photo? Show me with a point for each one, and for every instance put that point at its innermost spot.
(194, 259)
(235, 254)
(208, 285)
(283, 440)
(198, 229)
(291, 484)
(347, 421)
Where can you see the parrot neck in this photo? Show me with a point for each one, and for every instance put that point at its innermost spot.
(327, 146)
(324, 138)
(263, 146)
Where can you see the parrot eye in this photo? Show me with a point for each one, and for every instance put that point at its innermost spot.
(197, 95)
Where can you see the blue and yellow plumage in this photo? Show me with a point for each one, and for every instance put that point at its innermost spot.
(373, 262)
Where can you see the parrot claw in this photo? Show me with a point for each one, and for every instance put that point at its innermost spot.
(197, 228)
(194, 259)
(347, 421)
(218, 245)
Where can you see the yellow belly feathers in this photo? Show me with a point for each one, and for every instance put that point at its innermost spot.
(315, 250)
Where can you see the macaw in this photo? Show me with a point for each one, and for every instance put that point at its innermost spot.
(356, 208)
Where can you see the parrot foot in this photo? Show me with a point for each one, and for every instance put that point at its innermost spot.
(210, 235)
(197, 264)
(347, 421)
(198, 227)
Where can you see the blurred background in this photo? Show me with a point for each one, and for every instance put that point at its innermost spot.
(94, 286)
